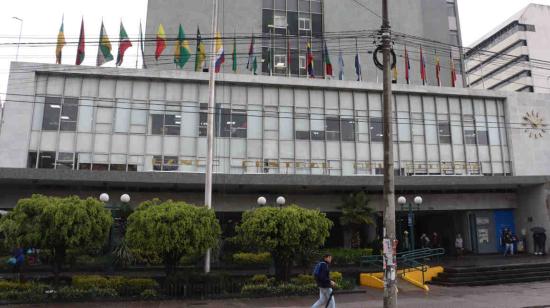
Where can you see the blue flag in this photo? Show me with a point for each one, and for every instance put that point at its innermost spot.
(341, 64)
(358, 68)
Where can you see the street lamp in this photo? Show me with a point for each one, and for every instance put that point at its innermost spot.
(20, 31)
(281, 201)
(104, 197)
(125, 198)
(402, 201)
(261, 201)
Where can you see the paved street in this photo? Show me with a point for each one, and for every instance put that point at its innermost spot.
(502, 296)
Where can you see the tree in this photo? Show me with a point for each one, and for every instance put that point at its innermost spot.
(57, 224)
(173, 230)
(286, 233)
(356, 215)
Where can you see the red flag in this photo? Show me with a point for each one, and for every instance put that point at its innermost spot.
(453, 70)
(407, 65)
(309, 61)
(81, 45)
(437, 69)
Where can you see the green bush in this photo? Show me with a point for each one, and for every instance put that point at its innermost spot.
(144, 257)
(149, 294)
(255, 290)
(303, 279)
(284, 289)
(28, 292)
(336, 277)
(345, 256)
(72, 293)
(249, 258)
(122, 285)
(14, 286)
(259, 279)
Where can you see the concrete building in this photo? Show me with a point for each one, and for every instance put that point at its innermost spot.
(280, 25)
(479, 159)
(514, 56)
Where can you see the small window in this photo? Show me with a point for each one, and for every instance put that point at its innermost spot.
(280, 61)
(65, 160)
(46, 160)
(317, 135)
(482, 137)
(165, 124)
(470, 136)
(347, 129)
(52, 110)
(444, 132)
(69, 114)
(203, 120)
(302, 135)
(168, 163)
(332, 128)
(302, 60)
(31, 160)
(279, 20)
(304, 23)
(376, 130)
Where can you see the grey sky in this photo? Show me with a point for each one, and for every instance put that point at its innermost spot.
(42, 18)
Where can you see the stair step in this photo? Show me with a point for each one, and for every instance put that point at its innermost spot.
(495, 273)
(492, 277)
(496, 268)
(491, 282)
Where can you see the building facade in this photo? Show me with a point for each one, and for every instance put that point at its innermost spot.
(282, 29)
(513, 56)
(479, 159)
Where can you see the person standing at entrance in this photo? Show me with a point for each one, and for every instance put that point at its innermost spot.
(459, 245)
(436, 240)
(424, 241)
(321, 273)
(508, 240)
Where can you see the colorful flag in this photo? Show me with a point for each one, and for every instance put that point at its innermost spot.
(104, 47)
(288, 55)
(181, 49)
(141, 47)
(394, 74)
(161, 42)
(220, 56)
(422, 67)
(200, 54)
(80, 53)
(341, 64)
(234, 66)
(437, 69)
(309, 61)
(254, 65)
(250, 53)
(123, 44)
(407, 65)
(453, 70)
(328, 65)
(60, 43)
(358, 68)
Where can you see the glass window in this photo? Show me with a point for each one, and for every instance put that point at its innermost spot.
(165, 124)
(268, 4)
(168, 163)
(238, 124)
(65, 161)
(280, 4)
(470, 136)
(317, 25)
(292, 19)
(333, 128)
(292, 5)
(31, 160)
(482, 137)
(316, 7)
(280, 61)
(444, 129)
(69, 114)
(46, 160)
(304, 5)
(302, 60)
(267, 19)
(304, 23)
(203, 120)
(347, 128)
(279, 20)
(122, 117)
(156, 124)
(226, 122)
(376, 130)
(52, 109)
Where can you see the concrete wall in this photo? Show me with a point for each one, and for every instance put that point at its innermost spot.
(533, 211)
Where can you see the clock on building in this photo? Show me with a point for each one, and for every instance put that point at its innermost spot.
(534, 125)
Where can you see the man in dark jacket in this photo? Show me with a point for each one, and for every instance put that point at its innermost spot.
(322, 277)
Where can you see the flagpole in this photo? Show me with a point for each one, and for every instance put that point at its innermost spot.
(210, 126)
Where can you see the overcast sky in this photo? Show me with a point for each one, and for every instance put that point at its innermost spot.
(42, 18)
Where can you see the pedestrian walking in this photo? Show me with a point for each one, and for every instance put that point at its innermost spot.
(322, 277)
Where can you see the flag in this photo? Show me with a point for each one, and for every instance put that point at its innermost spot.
(341, 64)
(309, 61)
(250, 53)
(328, 65)
(123, 44)
(181, 49)
(104, 47)
(394, 74)
(200, 54)
(407, 65)
(161, 42)
(437, 69)
(358, 68)
(422, 67)
(141, 47)
(234, 66)
(288, 55)
(60, 43)
(254, 65)
(81, 45)
(220, 56)
(453, 70)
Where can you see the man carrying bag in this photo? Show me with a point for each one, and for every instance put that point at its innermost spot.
(321, 273)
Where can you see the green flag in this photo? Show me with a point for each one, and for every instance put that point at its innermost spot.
(234, 67)
(181, 51)
(254, 65)
(104, 47)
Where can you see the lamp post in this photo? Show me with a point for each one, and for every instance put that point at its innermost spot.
(20, 31)
(115, 213)
(280, 201)
(261, 201)
(402, 201)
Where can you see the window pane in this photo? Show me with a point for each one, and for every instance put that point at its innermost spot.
(157, 124)
(317, 25)
(316, 6)
(347, 127)
(304, 5)
(292, 5)
(376, 130)
(46, 160)
(203, 120)
(52, 109)
(170, 163)
(69, 114)
(280, 4)
(172, 124)
(292, 20)
(122, 117)
(444, 132)
(333, 128)
(268, 4)
(238, 124)
(482, 137)
(65, 160)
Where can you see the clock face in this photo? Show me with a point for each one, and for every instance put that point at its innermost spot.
(534, 125)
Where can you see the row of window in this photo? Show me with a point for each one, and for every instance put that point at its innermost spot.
(500, 36)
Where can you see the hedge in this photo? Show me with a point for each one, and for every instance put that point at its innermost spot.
(249, 258)
(124, 286)
(345, 256)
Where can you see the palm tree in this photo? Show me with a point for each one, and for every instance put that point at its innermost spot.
(356, 216)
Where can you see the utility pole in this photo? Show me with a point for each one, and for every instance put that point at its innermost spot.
(389, 242)
(210, 125)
